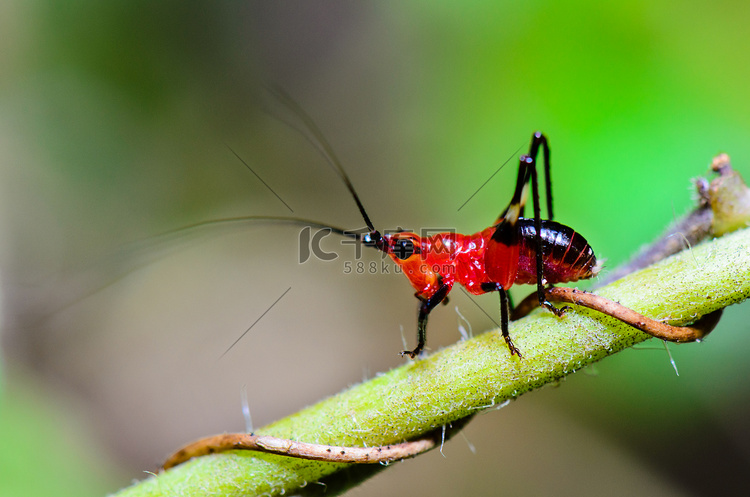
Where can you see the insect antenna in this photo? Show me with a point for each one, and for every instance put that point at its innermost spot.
(228, 221)
(318, 141)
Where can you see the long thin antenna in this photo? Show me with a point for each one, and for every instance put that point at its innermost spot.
(320, 144)
(254, 323)
(260, 179)
(252, 219)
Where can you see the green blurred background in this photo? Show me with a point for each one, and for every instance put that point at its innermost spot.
(115, 125)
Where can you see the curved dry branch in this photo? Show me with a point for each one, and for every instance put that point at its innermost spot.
(303, 450)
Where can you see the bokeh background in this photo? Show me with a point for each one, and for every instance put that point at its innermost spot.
(118, 121)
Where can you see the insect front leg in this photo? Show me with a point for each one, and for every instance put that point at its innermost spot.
(425, 306)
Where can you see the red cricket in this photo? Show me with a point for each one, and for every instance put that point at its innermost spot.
(513, 250)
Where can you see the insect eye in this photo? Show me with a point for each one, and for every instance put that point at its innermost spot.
(403, 249)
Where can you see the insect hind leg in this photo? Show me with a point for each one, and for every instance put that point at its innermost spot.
(538, 140)
(527, 174)
(506, 235)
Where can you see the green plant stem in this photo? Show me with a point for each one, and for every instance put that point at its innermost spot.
(471, 375)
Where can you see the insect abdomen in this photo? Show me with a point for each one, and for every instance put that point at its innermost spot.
(567, 256)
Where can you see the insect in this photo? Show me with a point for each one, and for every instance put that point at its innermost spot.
(513, 250)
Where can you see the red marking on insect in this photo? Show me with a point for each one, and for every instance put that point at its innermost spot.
(513, 250)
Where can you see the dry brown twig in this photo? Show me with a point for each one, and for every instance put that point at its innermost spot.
(315, 452)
